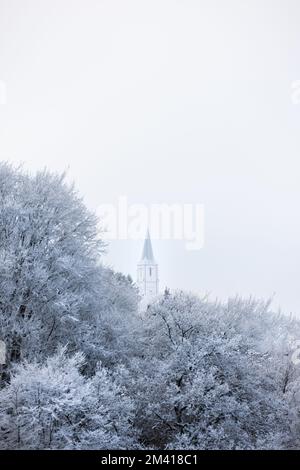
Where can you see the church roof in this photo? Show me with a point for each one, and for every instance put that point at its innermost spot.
(147, 254)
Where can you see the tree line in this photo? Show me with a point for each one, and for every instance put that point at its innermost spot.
(87, 369)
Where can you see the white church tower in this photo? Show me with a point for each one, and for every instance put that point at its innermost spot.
(147, 271)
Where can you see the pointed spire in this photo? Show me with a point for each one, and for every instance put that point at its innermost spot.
(147, 250)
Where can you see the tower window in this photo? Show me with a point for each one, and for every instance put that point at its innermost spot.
(150, 271)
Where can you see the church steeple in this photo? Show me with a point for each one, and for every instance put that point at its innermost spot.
(147, 250)
(147, 271)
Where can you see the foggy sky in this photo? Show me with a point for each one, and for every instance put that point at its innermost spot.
(168, 101)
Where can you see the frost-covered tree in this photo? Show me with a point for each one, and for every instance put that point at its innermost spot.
(49, 248)
(208, 381)
(107, 333)
(53, 288)
(53, 406)
(110, 415)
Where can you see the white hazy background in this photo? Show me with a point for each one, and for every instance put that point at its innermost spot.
(168, 101)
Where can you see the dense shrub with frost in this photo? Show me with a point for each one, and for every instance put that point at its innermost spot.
(53, 406)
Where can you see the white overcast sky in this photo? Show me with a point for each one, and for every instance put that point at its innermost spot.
(168, 101)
